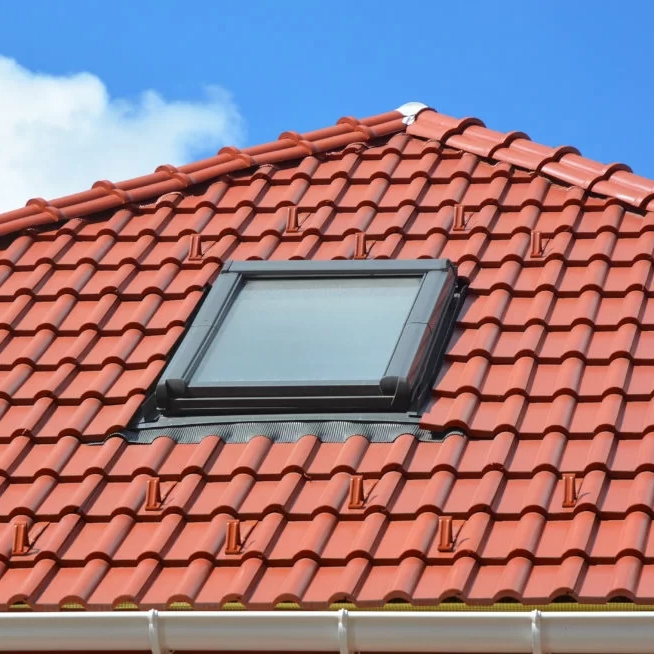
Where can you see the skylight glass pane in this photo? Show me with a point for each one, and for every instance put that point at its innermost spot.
(294, 330)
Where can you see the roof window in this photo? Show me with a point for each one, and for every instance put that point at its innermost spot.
(307, 336)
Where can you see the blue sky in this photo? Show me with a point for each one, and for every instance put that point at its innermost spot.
(565, 72)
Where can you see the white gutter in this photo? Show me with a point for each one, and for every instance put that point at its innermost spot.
(340, 631)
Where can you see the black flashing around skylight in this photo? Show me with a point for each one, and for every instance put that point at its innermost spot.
(292, 337)
(281, 431)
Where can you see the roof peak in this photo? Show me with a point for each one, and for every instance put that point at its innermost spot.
(564, 164)
(410, 111)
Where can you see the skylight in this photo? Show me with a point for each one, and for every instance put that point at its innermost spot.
(303, 336)
(303, 330)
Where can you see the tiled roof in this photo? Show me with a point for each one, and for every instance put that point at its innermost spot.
(544, 486)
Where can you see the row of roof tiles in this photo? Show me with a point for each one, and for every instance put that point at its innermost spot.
(70, 461)
(330, 541)
(200, 584)
(297, 498)
(168, 268)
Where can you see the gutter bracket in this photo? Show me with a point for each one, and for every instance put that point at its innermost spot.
(343, 641)
(154, 635)
(536, 633)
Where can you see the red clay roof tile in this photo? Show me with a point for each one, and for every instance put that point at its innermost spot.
(548, 489)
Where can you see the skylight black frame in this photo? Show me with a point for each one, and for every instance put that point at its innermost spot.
(403, 387)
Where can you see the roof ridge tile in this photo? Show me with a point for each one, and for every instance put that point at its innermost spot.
(106, 195)
(564, 163)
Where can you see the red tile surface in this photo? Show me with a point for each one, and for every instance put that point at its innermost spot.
(548, 374)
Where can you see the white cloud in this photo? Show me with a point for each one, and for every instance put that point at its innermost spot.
(60, 134)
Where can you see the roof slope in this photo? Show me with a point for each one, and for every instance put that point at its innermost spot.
(549, 487)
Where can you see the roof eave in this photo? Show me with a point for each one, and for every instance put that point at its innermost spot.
(340, 631)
